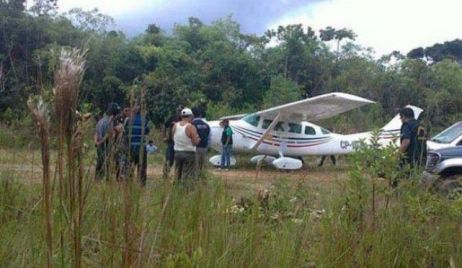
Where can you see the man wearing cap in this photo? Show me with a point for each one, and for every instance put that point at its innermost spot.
(106, 129)
(186, 138)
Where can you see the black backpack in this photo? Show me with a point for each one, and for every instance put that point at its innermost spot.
(419, 153)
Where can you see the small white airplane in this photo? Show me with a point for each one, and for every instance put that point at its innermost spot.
(282, 135)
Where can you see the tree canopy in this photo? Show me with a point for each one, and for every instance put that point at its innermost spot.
(216, 65)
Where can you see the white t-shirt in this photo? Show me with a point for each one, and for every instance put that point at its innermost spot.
(183, 143)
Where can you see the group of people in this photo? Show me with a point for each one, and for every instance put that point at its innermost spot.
(121, 135)
(120, 139)
(187, 135)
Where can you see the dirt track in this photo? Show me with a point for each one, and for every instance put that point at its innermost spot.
(32, 173)
(25, 167)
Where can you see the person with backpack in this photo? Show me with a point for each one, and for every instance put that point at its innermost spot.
(203, 129)
(413, 140)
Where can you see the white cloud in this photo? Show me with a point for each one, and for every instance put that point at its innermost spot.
(386, 25)
(109, 7)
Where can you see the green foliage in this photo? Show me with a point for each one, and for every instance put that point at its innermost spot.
(16, 132)
(167, 226)
(217, 110)
(281, 91)
(217, 64)
(375, 224)
(438, 52)
(92, 20)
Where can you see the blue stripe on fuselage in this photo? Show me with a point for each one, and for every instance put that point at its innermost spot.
(288, 140)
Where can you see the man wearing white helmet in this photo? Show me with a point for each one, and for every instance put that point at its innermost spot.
(186, 138)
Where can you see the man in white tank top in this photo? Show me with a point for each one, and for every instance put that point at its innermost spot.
(186, 138)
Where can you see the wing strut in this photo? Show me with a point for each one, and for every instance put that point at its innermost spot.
(267, 131)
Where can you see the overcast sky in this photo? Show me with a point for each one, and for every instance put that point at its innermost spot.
(384, 25)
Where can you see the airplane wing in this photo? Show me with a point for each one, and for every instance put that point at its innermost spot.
(316, 108)
(311, 109)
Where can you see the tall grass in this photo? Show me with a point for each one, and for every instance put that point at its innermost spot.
(39, 111)
(200, 227)
(376, 225)
(205, 227)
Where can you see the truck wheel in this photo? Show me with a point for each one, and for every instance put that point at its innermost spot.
(452, 187)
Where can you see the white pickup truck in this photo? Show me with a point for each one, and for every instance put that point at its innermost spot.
(444, 162)
(450, 137)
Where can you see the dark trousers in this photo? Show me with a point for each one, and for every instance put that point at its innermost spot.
(332, 158)
(185, 166)
(169, 159)
(102, 162)
(138, 158)
(170, 154)
(407, 169)
(201, 160)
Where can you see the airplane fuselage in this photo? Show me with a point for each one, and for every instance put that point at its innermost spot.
(281, 134)
(289, 138)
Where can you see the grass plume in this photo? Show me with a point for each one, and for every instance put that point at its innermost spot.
(67, 80)
(39, 111)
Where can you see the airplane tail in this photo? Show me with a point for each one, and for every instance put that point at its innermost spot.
(394, 126)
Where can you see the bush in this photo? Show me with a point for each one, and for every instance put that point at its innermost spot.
(19, 134)
(376, 225)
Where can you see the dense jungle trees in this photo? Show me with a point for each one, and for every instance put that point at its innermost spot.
(217, 65)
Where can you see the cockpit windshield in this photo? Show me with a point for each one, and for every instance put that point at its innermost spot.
(252, 119)
(450, 134)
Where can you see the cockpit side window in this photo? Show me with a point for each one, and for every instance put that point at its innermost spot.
(309, 131)
(266, 123)
(325, 131)
(252, 119)
(279, 126)
(295, 128)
